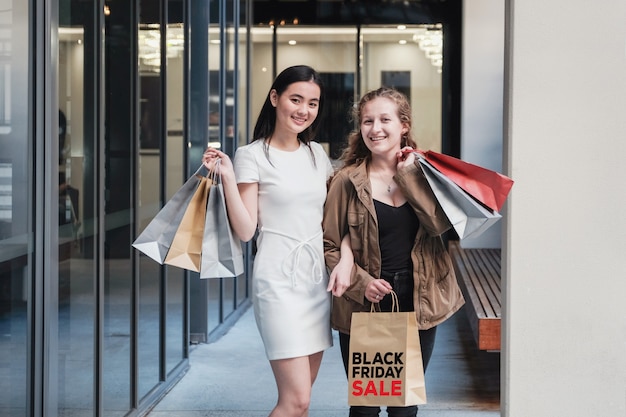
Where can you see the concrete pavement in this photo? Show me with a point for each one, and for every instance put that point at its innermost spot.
(232, 378)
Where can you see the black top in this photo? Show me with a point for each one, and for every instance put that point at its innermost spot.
(397, 227)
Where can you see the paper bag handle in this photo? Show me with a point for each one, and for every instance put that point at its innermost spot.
(395, 304)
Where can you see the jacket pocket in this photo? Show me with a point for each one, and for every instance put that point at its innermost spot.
(356, 224)
(445, 277)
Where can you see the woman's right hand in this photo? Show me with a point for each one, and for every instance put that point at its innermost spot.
(376, 290)
(210, 160)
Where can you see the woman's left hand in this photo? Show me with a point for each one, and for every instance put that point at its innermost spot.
(339, 280)
(376, 290)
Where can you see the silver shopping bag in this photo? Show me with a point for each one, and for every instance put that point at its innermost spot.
(156, 238)
(222, 255)
(468, 217)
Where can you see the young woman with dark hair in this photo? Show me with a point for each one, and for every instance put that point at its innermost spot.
(277, 185)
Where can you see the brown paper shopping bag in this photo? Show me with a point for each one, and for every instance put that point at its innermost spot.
(186, 248)
(385, 364)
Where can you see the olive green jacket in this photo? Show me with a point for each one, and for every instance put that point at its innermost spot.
(349, 209)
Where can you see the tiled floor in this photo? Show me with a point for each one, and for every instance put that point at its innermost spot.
(232, 378)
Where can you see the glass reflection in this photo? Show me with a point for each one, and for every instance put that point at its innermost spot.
(16, 187)
(228, 93)
(76, 301)
(214, 300)
(148, 331)
(117, 339)
(149, 194)
(118, 296)
(175, 350)
(242, 128)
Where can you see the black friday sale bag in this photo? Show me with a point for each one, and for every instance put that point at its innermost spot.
(385, 365)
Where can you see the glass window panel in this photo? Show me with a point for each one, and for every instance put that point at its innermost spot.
(214, 299)
(117, 339)
(215, 117)
(228, 47)
(216, 122)
(242, 289)
(261, 71)
(229, 296)
(148, 332)
(149, 190)
(16, 207)
(202, 131)
(77, 274)
(175, 310)
(174, 160)
(243, 130)
(119, 285)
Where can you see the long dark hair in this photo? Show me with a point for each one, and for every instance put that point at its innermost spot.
(356, 151)
(266, 122)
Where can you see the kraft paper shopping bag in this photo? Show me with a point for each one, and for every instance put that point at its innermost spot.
(385, 364)
(186, 248)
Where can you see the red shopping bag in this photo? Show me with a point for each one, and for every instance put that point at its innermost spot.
(489, 187)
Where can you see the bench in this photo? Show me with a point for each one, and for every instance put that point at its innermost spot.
(478, 274)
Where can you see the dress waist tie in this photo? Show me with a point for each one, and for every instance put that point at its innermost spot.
(295, 253)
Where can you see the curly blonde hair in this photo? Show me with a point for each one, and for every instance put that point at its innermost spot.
(356, 152)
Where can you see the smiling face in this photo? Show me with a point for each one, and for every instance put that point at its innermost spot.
(296, 108)
(381, 128)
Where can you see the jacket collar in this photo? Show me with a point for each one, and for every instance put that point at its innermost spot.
(360, 179)
(363, 187)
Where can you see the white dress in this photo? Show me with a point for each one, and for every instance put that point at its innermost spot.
(289, 278)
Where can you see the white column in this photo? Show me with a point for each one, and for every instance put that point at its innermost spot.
(564, 253)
